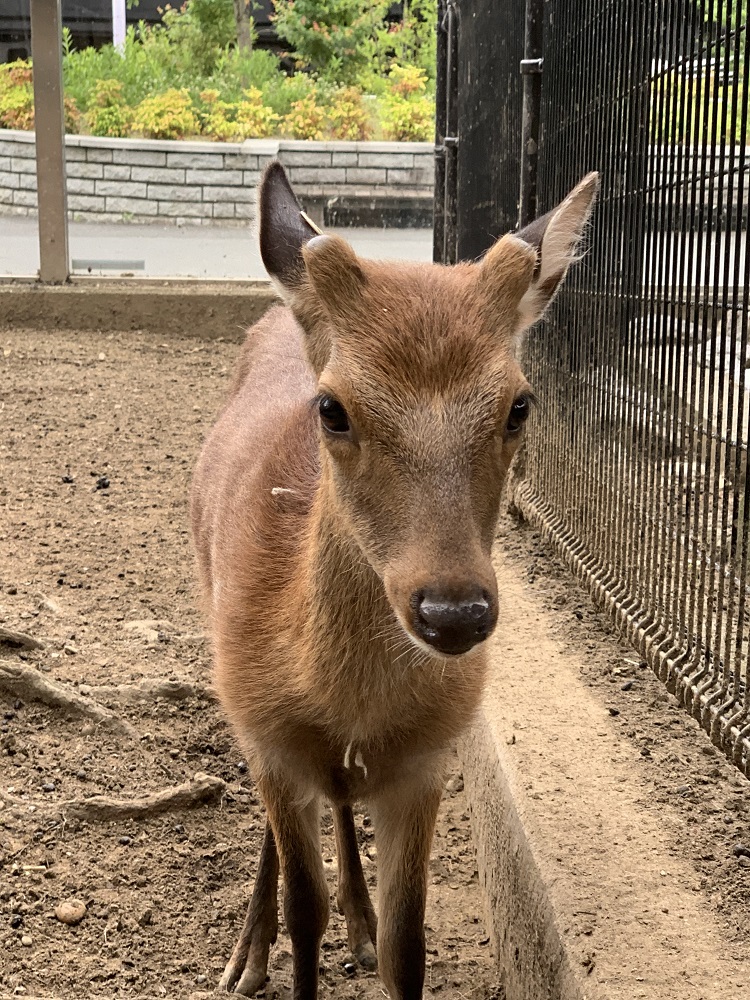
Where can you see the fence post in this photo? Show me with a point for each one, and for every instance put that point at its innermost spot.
(531, 69)
(46, 54)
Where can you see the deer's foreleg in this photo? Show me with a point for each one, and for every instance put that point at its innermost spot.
(247, 969)
(404, 825)
(352, 896)
(297, 834)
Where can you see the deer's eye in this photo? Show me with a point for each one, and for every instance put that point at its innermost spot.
(333, 415)
(519, 413)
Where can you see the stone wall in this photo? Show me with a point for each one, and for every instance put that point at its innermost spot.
(142, 180)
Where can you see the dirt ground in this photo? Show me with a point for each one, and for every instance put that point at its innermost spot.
(98, 435)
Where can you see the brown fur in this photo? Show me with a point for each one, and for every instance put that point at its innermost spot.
(311, 549)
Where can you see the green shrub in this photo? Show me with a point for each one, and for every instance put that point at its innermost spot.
(408, 114)
(306, 118)
(17, 99)
(109, 115)
(329, 36)
(255, 120)
(347, 116)
(166, 116)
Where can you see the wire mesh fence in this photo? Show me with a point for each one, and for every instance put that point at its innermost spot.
(637, 466)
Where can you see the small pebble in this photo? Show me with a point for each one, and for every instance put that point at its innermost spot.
(48, 787)
(27, 941)
(742, 851)
(16, 920)
(124, 841)
(613, 711)
(179, 828)
(70, 911)
(102, 483)
(349, 968)
(626, 686)
(455, 784)
(200, 979)
(18, 704)
(81, 775)
(242, 767)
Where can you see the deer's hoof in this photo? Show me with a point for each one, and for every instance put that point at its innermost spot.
(367, 957)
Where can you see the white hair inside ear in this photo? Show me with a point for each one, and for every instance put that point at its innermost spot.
(557, 238)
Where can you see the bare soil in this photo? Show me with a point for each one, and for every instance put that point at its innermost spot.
(98, 435)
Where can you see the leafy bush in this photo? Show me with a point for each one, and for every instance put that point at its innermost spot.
(412, 41)
(254, 119)
(408, 114)
(347, 116)
(109, 115)
(17, 99)
(306, 119)
(329, 36)
(166, 116)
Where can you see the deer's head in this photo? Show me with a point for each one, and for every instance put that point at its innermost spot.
(421, 402)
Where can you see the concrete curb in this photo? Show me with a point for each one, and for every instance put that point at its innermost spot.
(194, 308)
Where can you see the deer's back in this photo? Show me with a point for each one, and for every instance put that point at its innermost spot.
(257, 471)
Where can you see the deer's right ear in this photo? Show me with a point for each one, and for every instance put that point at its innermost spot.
(284, 230)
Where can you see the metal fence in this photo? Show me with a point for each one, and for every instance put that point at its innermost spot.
(637, 466)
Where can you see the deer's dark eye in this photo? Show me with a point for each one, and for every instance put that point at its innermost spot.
(519, 413)
(333, 415)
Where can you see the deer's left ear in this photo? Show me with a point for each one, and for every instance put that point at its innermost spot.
(524, 270)
(555, 237)
(284, 229)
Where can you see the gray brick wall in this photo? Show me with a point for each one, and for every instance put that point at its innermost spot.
(143, 180)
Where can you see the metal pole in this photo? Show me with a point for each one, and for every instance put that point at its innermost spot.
(450, 141)
(46, 54)
(441, 110)
(531, 68)
(118, 25)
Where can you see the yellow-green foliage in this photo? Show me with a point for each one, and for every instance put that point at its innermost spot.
(307, 118)
(166, 116)
(109, 115)
(254, 119)
(17, 99)
(408, 114)
(347, 116)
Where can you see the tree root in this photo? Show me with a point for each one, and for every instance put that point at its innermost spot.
(19, 639)
(146, 690)
(28, 684)
(202, 789)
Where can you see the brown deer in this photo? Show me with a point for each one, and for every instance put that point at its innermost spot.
(344, 508)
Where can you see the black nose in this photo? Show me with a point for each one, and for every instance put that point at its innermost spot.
(453, 624)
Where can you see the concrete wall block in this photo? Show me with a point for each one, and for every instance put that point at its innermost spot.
(186, 209)
(365, 175)
(117, 171)
(224, 210)
(174, 192)
(314, 158)
(74, 154)
(226, 177)
(246, 211)
(4, 163)
(85, 203)
(251, 177)
(80, 185)
(345, 159)
(242, 161)
(238, 194)
(9, 180)
(6, 196)
(27, 181)
(140, 158)
(200, 161)
(386, 160)
(27, 198)
(158, 175)
(10, 147)
(319, 175)
(417, 177)
(77, 169)
(132, 206)
(20, 165)
(124, 189)
(98, 155)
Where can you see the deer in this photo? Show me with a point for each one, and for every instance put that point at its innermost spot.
(343, 512)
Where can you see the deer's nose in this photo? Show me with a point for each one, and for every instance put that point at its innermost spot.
(451, 623)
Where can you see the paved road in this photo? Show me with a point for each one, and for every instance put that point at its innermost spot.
(194, 251)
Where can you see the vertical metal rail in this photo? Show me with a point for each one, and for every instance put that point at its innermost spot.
(46, 52)
(441, 109)
(531, 69)
(450, 139)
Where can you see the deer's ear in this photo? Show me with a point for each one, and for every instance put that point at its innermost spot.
(555, 237)
(284, 230)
